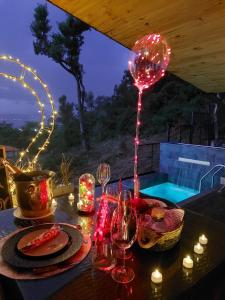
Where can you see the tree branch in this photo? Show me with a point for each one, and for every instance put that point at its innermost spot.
(62, 64)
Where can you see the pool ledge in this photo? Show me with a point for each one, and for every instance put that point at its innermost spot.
(196, 197)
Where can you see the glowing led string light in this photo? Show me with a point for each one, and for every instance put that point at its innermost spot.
(148, 63)
(43, 127)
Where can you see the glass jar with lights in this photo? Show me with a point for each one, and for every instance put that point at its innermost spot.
(86, 193)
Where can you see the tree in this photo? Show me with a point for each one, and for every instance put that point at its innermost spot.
(19, 138)
(9, 136)
(113, 116)
(64, 48)
(69, 123)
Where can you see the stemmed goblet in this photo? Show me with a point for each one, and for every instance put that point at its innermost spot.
(103, 175)
(124, 227)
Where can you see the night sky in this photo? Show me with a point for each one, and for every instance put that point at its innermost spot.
(104, 60)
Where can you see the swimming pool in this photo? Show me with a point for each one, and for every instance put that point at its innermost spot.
(169, 191)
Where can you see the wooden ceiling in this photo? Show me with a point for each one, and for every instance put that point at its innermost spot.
(195, 30)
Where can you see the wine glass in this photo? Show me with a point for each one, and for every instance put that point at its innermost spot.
(103, 175)
(124, 229)
(102, 255)
(119, 253)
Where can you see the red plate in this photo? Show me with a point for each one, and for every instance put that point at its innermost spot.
(51, 247)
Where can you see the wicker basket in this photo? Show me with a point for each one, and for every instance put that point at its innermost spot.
(161, 241)
(168, 240)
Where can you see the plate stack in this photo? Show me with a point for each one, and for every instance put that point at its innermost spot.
(33, 250)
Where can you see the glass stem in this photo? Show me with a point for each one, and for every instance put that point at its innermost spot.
(103, 189)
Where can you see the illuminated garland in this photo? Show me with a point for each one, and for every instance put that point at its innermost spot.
(43, 127)
(148, 63)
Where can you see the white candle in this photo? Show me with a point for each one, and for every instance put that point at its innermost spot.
(188, 262)
(156, 276)
(54, 203)
(71, 196)
(203, 239)
(198, 248)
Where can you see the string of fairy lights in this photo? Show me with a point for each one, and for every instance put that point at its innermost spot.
(149, 60)
(44, 128)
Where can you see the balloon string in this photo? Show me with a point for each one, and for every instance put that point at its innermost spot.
(136, 144)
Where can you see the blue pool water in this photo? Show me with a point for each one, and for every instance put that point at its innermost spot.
(169, 191)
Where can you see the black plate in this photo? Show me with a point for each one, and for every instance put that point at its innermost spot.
(12, 256)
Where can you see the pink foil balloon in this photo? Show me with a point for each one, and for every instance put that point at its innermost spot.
(149, 60)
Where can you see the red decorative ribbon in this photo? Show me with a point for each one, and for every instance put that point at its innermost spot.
(42, 238)
(43, 192)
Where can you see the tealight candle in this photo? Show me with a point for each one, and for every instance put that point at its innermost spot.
(156, 276)
(198, 248)
(203, 239)
(54, 203)
(71, 197)
(188, 262)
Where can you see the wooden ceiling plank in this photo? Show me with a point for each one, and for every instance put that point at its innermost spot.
(193, 29)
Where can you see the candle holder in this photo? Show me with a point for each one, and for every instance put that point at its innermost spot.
(86, 193)
(71, 198)
(188, 262)
(54, 204)
(198, 248)
(156, 277)
(203, 240)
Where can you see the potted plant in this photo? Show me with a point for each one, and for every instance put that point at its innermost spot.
(66, 174)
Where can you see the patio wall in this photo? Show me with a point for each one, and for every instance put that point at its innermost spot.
(187, 173)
